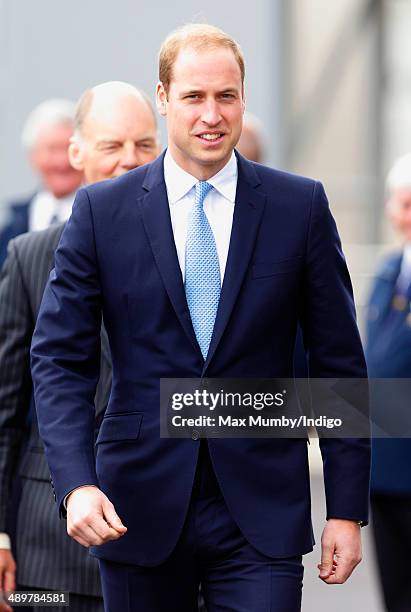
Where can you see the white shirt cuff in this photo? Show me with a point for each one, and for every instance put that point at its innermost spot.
(5, 541)
(80, 487)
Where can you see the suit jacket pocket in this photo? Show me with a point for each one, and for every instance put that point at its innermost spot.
(265, 269)
(124, 426)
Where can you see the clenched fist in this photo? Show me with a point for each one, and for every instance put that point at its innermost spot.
(91, 517)
(340, 550)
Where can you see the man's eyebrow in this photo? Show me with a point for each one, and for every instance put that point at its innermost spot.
(188, 92)
(106, 141)
(111, 141)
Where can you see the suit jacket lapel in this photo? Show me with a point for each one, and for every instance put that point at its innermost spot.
(249, 207)
(45, 257)
(56, 239)
(157, 222)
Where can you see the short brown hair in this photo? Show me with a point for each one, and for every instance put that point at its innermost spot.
(197, 36)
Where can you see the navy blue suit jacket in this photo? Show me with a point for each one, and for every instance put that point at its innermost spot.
(117, 257)
(388, 355)
(17, 223)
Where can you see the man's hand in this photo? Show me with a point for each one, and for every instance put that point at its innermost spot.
(91, 517)
(7, 575)
(340, 550)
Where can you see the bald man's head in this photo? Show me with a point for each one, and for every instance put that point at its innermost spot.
(115, 131)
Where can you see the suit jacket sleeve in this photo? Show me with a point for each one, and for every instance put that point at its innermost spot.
(16, 328)
(335, 351)
(66, 355)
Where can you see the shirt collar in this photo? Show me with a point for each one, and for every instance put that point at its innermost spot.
(179, 182)
(225, 181)
(49, 199)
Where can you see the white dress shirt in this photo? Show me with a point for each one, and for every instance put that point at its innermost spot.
(45, 208)
(218, 206)
(4, 541)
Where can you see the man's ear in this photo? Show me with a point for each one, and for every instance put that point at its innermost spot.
(161, 99)
(75, 154)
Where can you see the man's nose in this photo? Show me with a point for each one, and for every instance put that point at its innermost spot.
(211, 113)
(130, 158)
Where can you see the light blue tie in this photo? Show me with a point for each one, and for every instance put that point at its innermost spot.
(202, 271)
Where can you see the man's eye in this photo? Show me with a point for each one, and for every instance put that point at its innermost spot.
(192, 96)
(109, 149)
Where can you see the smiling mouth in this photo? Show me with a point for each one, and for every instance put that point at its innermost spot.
(211, 137)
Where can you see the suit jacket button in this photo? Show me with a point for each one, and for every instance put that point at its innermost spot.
(195, 434)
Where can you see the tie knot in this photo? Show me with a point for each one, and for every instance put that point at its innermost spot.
(202, 189)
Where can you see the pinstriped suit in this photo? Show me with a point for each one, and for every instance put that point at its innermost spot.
(46, 556)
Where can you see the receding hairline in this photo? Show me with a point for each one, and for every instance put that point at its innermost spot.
(85, 104)
(198, 37)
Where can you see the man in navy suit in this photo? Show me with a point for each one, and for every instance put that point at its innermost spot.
(260, 249)
(389, 356)
(46, 136)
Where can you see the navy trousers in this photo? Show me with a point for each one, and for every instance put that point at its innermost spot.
(211, 551)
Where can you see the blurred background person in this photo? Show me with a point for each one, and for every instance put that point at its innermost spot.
(251, 143)
(115, 131)
(45, 137)
(389, 356)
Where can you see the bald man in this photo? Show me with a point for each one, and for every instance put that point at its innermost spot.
(115, 131)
